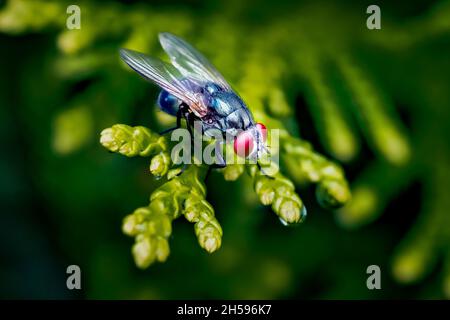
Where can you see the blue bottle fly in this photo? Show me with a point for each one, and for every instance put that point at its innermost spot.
(194, 90)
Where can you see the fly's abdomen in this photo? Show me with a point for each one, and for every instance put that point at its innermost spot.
(168, 103)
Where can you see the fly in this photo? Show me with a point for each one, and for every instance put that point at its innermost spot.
(194, 90)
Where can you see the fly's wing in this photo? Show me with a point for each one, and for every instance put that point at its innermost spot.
(190, 62)
(164, 75)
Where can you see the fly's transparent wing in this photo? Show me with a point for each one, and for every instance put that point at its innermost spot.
(189, 61)
(164, 75)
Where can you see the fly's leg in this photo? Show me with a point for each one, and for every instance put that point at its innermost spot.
(182, 169)
(220, 161)
(214, 166)
(219, 157)
(183, 112)
(167, 131)
(208, 172)
(190, 124)
(262, 170)
(180, 114)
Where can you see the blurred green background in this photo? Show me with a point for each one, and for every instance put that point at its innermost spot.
(376, 101)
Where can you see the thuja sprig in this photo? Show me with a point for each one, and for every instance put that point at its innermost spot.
(183, 194)
(152, 225)
(138, 141)
(151, 229)
(184, 191)
(279, 192)
(132, 141)
(233, 171)
(306, 165)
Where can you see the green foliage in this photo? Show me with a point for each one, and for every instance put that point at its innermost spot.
(184, 192)
(354, 83)
(151, 226)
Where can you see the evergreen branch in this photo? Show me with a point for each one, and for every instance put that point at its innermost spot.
(151, 228)
(305, 165)
(329, 116)
(184, 195)
(233, 171)
(132, 141)
(380, 124)
(279, 192)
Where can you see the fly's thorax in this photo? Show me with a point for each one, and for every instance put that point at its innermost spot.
(225, 102)
(228, 107)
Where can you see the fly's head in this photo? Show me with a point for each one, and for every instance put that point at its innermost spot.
(250, 143)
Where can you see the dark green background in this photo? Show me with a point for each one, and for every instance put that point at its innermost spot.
(58, 210)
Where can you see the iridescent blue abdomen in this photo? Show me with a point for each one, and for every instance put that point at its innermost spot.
(168, 103)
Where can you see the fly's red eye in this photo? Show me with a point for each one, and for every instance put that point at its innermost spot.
(262, 128)
(244, 144)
